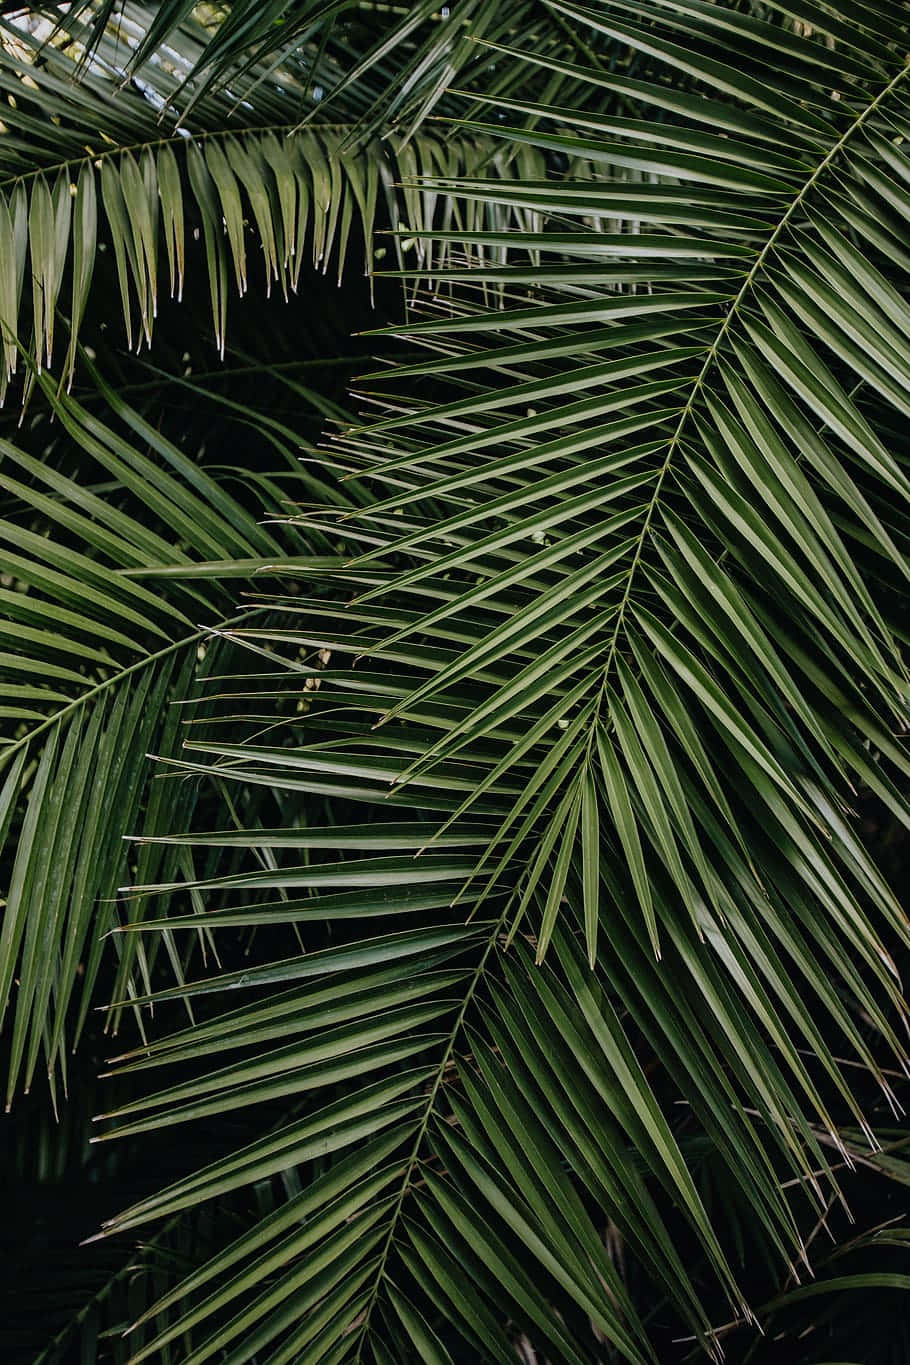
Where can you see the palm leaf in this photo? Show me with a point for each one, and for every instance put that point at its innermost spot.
(383, 71)
(145, 190)
(617, 661)
(108, 622)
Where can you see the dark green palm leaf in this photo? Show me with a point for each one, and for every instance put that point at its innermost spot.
(611, 654)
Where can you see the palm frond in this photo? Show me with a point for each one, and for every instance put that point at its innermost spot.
(646, 635)
(108, 622)
(87, 167)
(611, 651)
(128, 132)
(382, 70)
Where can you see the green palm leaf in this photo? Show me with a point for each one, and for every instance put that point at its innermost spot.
(614, 650)
(335, 119)
(146, 190)
(95, 654)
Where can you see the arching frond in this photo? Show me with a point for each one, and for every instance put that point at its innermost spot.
(147, 193)
(626, 609)
(571, 963)
(111, 606)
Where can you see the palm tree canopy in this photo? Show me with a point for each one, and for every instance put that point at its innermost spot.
(500, 901)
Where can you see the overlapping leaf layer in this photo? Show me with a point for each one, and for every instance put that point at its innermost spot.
(592, 968)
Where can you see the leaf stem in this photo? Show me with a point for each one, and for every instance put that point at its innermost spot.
(729, 317)
(146, 661)
(414, 1154)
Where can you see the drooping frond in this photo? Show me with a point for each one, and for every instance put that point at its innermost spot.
(87, 165)
(116, 581)
(146, 192)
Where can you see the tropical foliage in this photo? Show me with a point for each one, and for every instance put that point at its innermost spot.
(470, 851)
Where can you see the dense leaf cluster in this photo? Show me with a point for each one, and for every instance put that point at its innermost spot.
(508, 907)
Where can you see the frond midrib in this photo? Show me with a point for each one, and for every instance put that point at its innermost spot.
(174, 139)
(729, 318)
(429, 1109)
(147, 661)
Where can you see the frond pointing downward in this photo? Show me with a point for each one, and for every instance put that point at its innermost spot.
(729, 587)
(296, 191)
(628, 601)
